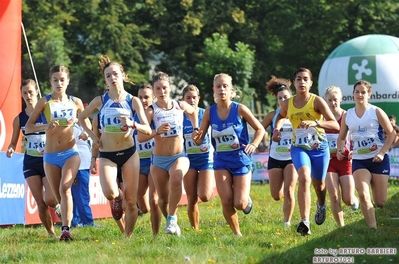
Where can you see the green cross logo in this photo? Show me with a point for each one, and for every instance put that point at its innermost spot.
(362, 68)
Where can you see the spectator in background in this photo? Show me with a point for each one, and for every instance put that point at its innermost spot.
(264, 144)
(82, 214)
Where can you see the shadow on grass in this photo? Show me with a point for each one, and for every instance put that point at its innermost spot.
(356, 237)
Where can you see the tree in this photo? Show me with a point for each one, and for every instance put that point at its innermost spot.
(218, 58)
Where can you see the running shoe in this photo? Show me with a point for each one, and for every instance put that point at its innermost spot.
(355, 205)
(287, 224)
(320, 215)
(304, 228)
(172, 227)
(57, 211)
(248, 209)
(66, 236)
(116, 207)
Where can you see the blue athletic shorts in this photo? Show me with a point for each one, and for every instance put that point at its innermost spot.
(383, 167)
(316, 159)
(145, 170)
(200, 162)
(166, 162)
(240, 171)
(59, 158)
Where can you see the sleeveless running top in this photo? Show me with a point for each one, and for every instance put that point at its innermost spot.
(35, 142)
(143, 148)
(228, 137)
(367, 133)
(281, 150)
(63, 112)
(174, 117)
(309, 138)
(111, 111)
(191, 148)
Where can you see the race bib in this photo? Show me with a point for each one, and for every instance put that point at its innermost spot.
(35, 145)
(307, 138)
(145, 148)
(64, 113)
(226, 140)
(364, 145)
(332, 142)
(191, 148)
(112, 123)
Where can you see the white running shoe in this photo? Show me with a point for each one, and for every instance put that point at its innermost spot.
(355, 204)
(248, 209)
(57, 211)
(172, 227)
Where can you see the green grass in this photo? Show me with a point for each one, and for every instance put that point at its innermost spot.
(264, 240)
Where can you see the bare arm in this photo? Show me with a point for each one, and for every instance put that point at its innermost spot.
(149, 114)
(276, 134)
(329, 121)
(246, 114)
(343, 133)
(143, 127)
(198, 136)
(388, 128)
(84, 115)
(192, 114)
(16, 129)
(30, 126)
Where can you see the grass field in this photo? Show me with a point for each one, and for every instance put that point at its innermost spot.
(265, 240)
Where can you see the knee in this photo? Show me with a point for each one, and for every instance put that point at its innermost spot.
(228, 203)
(205, 197)
(380, 204)
(130, 204)
(276, 196)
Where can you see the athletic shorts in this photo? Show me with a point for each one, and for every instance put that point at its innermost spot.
(200, 162)
(59, 158)
(145, 170)
(166, 162)
(240, 171)
(118, 157)
(33, 170)
(341, 167)
(316, 159)
(277, 164)
(383, 167)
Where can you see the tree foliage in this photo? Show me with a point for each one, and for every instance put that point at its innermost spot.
(193, 40)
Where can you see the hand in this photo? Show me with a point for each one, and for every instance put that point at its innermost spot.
(93, 166)
(250, 148)
(307, 124)
(196, 135)
(378, 158)
(340, 155)
(9, 152)
(276, 135)
(52, 125)
(83, 136)
(164, 128)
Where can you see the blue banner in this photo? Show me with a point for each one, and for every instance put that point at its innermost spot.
(12, 190)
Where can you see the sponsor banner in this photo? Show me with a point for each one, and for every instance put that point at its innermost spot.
(394, 160)
(10, 68)
(17, 205)
(12, 190)
(259, 166)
